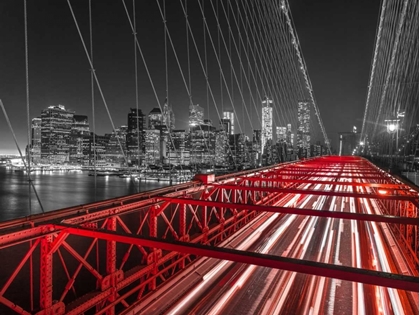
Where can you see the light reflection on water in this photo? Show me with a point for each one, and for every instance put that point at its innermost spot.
(59, 190)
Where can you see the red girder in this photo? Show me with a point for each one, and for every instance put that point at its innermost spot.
(385, 279)
(413, 199)
(300, 211)
(314, 174)
(322, 171)
(400, 187)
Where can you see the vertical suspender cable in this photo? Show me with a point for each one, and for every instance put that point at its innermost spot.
(167, 117)
(231, 66)
(220, 61)
(95, 76)
(137, 93)
(31, 285)
(92, 88)
(205, 60)
(27, 166)
(188, 48)
(28, 115)
(92, 91)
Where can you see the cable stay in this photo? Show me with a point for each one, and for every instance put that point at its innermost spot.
(392, 92)
(96, 79)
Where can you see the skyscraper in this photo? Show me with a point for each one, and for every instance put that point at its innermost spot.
(256, 148)
(168, 117)
(221, 148)
(113, 150)
(196, 114)
(155, 118)
(79, 130)
(36, 140)
(228, 114)
(177, 154)
(152, 147)
(56, 124)
(303, 136)
(267, 122)
(281, 134)
(136, 123)
(226, 125)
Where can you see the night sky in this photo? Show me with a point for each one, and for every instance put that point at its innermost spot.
(337, 40)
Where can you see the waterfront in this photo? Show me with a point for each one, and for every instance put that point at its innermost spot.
(60, 189)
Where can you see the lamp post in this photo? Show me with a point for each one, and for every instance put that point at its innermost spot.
(392, 128)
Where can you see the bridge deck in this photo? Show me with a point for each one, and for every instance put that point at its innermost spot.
(109, 256)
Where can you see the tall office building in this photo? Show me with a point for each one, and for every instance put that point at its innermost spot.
(155, 118)
(221, 147)
(113, 150)
(256, 148)
(303, 136)
(229, 114)
(196, 114)
(168, 117)
(152, 155)
(202, 144)
(267, 122)
(56, 124)
(136, 124)
(79, 130)
(226, 125)
(281, 134)
(36, 140)
(177, 154)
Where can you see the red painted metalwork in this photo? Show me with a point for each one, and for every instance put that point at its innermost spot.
(403, 220)
(304, 266)
(113, 253)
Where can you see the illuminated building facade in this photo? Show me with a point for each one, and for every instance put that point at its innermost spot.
(36, 140)
(56, 124)
(113, 150)
(221, 147)
(256, 148)
(229, 115)
(177, 154)
(77, 149)
(196, 115)
(202, 144)
(267, 122)
(168, 117)
(155, 118)
(226, 125)
(136, 123)
(152, 152)
(303, 136)
(281, 134)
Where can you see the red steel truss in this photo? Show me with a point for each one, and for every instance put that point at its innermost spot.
(109, 255)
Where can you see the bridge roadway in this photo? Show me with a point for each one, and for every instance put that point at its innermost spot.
(332, 235)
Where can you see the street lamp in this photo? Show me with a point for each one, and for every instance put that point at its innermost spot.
(392, 128)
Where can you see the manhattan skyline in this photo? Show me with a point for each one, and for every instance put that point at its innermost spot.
(337, 41)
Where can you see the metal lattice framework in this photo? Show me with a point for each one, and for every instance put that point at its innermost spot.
(109, 255)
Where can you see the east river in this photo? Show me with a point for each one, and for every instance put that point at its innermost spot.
(60, 189)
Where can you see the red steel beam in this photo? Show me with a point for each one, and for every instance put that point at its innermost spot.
(311, 181)
(352, 274)
(299, 211)
(413, 199)
(322, 170)
(315, 174)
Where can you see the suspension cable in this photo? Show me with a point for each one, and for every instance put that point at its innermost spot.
(28, 114)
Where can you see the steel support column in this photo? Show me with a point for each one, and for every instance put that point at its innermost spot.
(111, 261)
